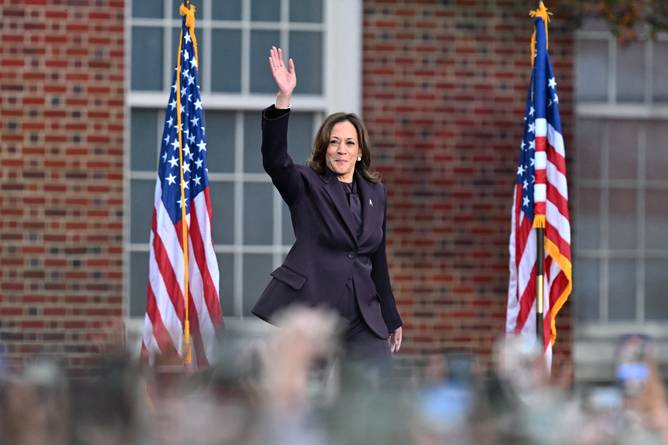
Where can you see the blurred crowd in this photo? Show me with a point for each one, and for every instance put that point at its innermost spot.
(293, 385)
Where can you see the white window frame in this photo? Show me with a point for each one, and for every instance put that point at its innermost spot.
(595, 341)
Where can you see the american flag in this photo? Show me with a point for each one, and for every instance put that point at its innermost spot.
(540, 200)
(165, 304)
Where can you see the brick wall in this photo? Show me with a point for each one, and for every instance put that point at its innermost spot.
(61, 178)
(444, 88)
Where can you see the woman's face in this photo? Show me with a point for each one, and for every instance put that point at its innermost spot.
(343, 150)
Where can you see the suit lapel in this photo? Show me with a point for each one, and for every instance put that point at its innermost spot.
(371, 207)
(338, 196)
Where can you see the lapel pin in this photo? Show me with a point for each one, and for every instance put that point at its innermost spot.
(371, 203)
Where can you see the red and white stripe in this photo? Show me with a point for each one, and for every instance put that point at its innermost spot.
(165, 314)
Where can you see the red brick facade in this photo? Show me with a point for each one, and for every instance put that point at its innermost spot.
(444, 87)
(62, 77)
(444, 84)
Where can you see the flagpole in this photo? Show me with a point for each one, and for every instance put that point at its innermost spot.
(540, 272)
(539, 223)
(185, 10)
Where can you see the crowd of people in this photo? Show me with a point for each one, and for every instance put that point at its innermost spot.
(291, 385)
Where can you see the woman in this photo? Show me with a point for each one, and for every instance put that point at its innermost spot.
(338, 211)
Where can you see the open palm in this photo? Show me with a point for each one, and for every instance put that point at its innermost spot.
(286, 78)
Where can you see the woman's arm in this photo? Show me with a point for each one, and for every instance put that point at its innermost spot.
(381, 279)
(275, 158)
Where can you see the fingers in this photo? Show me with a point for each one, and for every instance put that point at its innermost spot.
(291, 66)
(275, 61)
(395, 341)
(276, 57)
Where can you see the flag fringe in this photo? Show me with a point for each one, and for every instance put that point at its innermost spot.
(567, 268)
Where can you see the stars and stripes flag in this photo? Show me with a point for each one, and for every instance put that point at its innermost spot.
(182, 189)
(540, 201)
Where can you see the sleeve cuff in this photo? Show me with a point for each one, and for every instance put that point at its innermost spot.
(271, 112)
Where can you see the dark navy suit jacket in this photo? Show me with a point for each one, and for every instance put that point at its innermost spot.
(327, 252)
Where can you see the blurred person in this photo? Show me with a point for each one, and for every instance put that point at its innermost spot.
(644, 394)
(520, 364)
(299, 375)
(338, 211)
(36, 411)
(195, 416)
(364, 413)
(220, 405)
(446, 403)
(536, 409)
(107, 405)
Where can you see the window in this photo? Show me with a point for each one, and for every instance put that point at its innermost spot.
(251, 225)
(621, 180)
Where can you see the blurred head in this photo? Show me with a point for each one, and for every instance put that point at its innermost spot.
(635, 358)
(341, 145)
(519, 361)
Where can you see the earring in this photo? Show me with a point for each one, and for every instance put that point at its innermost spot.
(359, 158)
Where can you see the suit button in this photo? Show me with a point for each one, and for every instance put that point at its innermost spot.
(351, 255)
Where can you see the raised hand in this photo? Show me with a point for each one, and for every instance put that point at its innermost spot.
(285, 78)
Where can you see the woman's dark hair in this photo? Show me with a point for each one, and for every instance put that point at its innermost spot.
(318, 157)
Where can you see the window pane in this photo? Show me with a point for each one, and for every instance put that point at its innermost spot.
(261, 80)
(220, 135)
(252, 137)
(144, 140)
(199, 5)
(288, 232)
(257, 268)
(660, 61)
(226, 267)
(623, 219)
(622, 290)
(226, 60)
(657, 151)
(300, 136)
(266, 11)
(586, 289)
(592, 70)
(306, 47)
(656, 219)
(656, 292)
(589, 139)
(587, 219)
(623, 143)
(176, 34)
(306, 11)
(147, 8)
(631, 72)
(147, 63)
(141, 209)
(227, 10)
(258, 214)
(222, 208)
(138, 283)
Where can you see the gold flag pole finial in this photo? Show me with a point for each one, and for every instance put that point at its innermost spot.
(543, 13)
(187, 9)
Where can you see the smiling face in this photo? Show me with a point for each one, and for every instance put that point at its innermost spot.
(343, 150)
